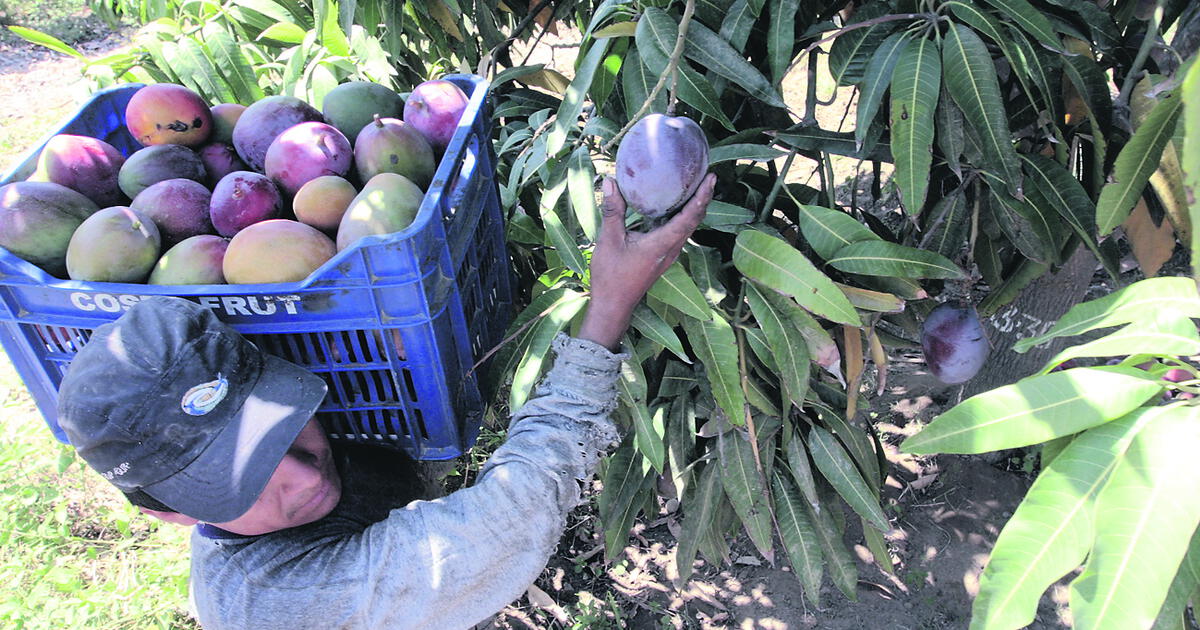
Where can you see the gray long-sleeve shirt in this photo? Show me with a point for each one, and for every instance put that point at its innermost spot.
(448, 563)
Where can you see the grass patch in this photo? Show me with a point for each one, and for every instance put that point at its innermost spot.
(73, 552)
(69, 20)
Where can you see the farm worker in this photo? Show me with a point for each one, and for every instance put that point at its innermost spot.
(197, 427)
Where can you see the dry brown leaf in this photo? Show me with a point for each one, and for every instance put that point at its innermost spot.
(541, 599)
(1152, 245)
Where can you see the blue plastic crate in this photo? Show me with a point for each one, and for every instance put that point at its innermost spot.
(393, 324)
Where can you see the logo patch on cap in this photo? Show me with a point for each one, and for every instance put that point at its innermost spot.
(202, 398)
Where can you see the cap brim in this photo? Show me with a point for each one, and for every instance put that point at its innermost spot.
(228, 476)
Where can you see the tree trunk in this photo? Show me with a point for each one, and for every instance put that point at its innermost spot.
(1034, 311)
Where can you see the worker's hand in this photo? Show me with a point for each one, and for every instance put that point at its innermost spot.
(625, 265)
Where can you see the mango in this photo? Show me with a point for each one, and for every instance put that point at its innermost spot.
(351, 106)
(388, 203)
(660, 163)
(37, 220)
(258, 126)
(225, 117)
(954, 342)
(194, 260)
(165, 113)
(219, 160)
(322, 202)
(115, 244)
(241, 199)
(304, 152)
(87, 165)
(279, 250)
(434, 108)
(157, 163)
(178, 207)
(388, 145)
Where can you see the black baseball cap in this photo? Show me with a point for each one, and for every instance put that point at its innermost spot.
(170, 401)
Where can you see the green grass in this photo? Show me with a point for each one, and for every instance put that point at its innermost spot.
(69, 20)
(73, 553)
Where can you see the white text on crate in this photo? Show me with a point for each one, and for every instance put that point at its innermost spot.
(247, 305)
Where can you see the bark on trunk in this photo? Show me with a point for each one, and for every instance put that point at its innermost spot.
(1033, 312)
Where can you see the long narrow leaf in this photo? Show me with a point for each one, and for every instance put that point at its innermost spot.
(1136, 162)
(875, 83)
(971, 79)
(827, 231)
(540, 338)
(572, 104)
(841, 473)
(1033, 410)
(799, 536)
(1145, 517)
(1190, 156)
(1137, 301)
(709, 50)
(676, 287)
(781, 37)
(1031, 20)
(1052, 529)
(656, 35)
(744, 486)
(717, 349)
(777, 265)
(699, 516)
(788, 348)
(1165, 332)
(884, 258)
(916, 82)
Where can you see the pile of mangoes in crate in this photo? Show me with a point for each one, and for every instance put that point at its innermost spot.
(230, 193)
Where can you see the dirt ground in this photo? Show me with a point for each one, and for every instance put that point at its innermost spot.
(946, 510)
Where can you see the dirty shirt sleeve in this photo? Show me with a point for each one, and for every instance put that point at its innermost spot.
(452, 562)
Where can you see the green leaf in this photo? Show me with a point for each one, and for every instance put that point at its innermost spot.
(714, 53)
(733, 152)
(651, 326)
(572, 104)
(1035, 234)
(705, 266)
(649, 429)
(540, 336)
(715, 346)
(1136, 163)
(1033, 410)
(800, 469)
(808, 138)
(950, 137)
(563, 241)
(1057, 186)
(875, 83)
(698, 515)
(285, 32)
(850, 52)
(581, 191)
(738, 22)
(781, 37)
(777, 265)
(1190, 156)
(1032, 20)
(44, 39)
(799, 536)
(624, 478)
(745, 489)
(681, 426)
(1165, 332)
(1145, 517)
(788, 348)
(676, 287)
(723, 215)
(842, 571)
(234, 66)
(1051, 531)
(884, 258)
(946, 231)
(656, 35)
(878, 547)
(197, 71)
(971, 79)
(841, 473)
(916, 82)
(636, 82)
(1186, 581)
(827, 231)
(1137, 301)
